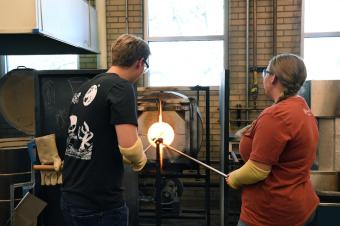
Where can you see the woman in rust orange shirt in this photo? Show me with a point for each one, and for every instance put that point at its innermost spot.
(279, 149)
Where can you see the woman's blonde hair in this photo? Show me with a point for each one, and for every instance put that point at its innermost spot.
(290, 71)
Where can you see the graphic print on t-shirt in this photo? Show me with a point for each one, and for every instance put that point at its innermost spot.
(75, 98)
(79, 141)
(90, 95)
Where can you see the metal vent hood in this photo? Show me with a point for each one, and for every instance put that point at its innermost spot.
(47, 27)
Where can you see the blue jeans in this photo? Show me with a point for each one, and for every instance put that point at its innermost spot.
(75, 216)
(241, 223)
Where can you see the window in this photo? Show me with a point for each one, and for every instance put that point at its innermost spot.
(186, 42)
(42, 62)
(322, 39)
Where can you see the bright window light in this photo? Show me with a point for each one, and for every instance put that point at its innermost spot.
(322, 39)
(43, 62)
(323, 63)
(186, 63)
(186, 42)
(185, 18)
(322, 15)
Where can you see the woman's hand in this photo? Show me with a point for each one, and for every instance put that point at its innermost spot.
(227, 180)
(241, 132)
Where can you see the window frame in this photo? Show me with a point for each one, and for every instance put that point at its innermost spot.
(321, 34)
(147, 38)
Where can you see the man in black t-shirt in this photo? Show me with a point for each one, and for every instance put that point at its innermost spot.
(102, 131)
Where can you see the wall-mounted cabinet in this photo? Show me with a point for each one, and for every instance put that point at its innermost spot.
(47, 27)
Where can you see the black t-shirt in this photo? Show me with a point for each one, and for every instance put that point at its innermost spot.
(93, 168)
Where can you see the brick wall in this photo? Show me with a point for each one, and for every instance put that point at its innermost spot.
(288, 37)
(87, 61)
(119, 23)
(288, 40)
(119, 20)
(288, 19)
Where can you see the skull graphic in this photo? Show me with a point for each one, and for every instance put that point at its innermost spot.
(90, 95)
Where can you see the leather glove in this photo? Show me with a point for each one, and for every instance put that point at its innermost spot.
(134, 155)
(48, 155)
(138, 166)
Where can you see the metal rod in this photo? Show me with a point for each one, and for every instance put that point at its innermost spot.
(158, 183)
(43, 167)
(147, 148)
(12, 203)
(247, 58)
(126, 17)
(254, 36)
(275, 27)
(197, 161)
(207, 155)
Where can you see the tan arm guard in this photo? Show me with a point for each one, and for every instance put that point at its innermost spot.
(48, 154)
(135, 154)
(249, 173)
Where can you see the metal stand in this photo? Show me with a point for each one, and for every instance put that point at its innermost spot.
(26, 185)
(158, 142)
(202, 214)
(224, 154)
(158, 183)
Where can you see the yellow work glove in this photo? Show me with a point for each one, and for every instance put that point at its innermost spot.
(134, 155)
(249, 173)
(125, 161)
(48, 155)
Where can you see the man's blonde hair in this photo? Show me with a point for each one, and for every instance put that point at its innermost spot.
(127, 49)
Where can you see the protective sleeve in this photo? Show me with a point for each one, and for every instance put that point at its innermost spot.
(135, 154)
(249, 173)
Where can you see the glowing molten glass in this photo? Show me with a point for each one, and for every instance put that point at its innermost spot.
(161, 130)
